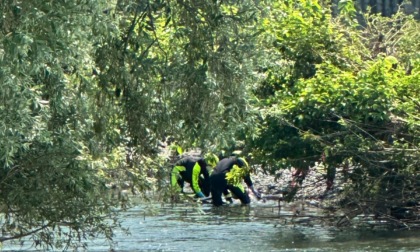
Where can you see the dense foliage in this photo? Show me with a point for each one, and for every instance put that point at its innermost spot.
(50, 186)
(344, 96)
(90, 88)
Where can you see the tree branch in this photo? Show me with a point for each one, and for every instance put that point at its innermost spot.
(2, 239)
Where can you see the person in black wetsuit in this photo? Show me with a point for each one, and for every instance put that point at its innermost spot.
(194, 171)
(220, 184)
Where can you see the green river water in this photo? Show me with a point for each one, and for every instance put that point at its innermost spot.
(258, 227)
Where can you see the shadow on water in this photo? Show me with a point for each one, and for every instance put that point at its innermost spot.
(259, 227)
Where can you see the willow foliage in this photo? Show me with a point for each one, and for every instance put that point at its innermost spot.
(51, 188)
(88, 88)
(181, 69)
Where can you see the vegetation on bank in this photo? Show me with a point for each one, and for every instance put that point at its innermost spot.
(89, 89)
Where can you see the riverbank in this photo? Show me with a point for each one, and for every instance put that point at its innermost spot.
(312, 188)
(312, 192)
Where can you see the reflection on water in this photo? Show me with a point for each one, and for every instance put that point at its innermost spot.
(259, 227)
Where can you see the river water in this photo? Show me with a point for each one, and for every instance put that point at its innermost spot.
(258, 227)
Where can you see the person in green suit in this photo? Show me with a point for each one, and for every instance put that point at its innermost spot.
(220, 184)
(193, 170)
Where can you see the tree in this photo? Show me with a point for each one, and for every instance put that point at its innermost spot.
(50, 173)
(182, 62)
(88, 88)
(356, 107)
(179, 70)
